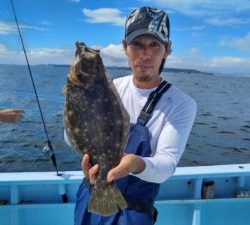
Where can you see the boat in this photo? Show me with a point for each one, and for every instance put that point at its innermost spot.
(200, 195)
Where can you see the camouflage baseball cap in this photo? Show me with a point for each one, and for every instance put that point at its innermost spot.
(147, 20)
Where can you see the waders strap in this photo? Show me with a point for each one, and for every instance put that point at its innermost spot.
(153, 99)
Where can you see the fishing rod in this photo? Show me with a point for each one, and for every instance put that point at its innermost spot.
(49, 148)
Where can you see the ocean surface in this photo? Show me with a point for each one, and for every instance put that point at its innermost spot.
(220, 135)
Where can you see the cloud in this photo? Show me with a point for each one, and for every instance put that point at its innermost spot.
(11, 28)
(36, 56)
(113, 55)
(8, 57)
(46, 23)
(191, 59)
(46, 52)
(33, 28)
(227, 64)
(228, 61)
(240, 43)
(7, 28)
(205, 7)
(194, 59)
(104, 15)
(2, 48)
(226, 22)
(193, 28)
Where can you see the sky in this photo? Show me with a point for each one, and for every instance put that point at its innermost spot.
(207, 35)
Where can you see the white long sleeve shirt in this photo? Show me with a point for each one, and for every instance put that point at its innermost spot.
(169, 126)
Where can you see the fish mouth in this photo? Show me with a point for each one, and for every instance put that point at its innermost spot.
(81, 48)
(87, 65)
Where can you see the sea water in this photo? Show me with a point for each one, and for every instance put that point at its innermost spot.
(220, 135)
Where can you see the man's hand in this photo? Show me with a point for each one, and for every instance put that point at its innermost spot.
(129, 163)
(89, 171)
(11, 115)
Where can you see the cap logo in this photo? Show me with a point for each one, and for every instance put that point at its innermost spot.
(133, 16)
(158, 24)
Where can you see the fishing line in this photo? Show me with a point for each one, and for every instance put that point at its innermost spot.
(47, 149)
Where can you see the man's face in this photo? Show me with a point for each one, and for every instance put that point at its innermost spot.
(145, 54)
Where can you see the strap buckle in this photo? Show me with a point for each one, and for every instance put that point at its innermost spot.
(143, 118)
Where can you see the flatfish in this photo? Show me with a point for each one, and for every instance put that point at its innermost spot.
(96, 123)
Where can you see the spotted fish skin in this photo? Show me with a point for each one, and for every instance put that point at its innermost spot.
(96, 123)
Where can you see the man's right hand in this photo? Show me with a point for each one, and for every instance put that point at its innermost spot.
(90, 172)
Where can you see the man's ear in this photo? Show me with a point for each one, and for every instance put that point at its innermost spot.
(168, 48)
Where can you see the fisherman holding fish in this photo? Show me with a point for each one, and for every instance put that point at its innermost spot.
(161, 117)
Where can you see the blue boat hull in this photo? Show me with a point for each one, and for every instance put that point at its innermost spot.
(39, 198)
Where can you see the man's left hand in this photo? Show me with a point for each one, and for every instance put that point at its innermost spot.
(129, 163)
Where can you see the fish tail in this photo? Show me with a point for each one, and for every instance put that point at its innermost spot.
(106, 201)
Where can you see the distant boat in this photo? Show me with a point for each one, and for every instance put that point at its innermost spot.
(204, 195)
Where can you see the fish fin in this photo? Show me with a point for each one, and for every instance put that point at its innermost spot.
(106, 201)
(64, 89)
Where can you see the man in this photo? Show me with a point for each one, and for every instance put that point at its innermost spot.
(11, 115)
(159, 132)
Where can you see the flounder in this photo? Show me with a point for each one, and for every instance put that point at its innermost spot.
(96, 123)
